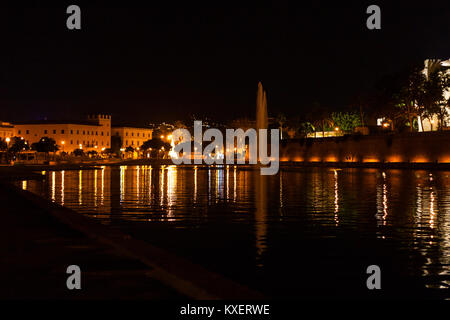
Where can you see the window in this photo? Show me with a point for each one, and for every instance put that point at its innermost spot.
(88, 132)
(71, 131)
(132, 142)
(62, 131)
(19, 131)
(126, 142)
(28, 131)
(45, 131)
(138, 134)
(107, 144)
(84, 132)
(96, 133)
(71, 141)
(132, 134)
(54, 131)
(78, 131)
(107, 134)
(126, 133)
(102, 133)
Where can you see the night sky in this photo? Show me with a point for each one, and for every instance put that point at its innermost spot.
(162, 63)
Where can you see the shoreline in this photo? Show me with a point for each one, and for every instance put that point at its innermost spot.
(32, 171)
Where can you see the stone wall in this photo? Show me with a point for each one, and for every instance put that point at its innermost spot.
(424, 147)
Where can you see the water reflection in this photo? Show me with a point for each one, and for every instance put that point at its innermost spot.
(407, 210)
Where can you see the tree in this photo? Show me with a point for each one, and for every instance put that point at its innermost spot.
(320, 117)
(281, 120)
(435, 83)
(411, 95)
(46, 145)
(155, 144)
(78, 152)
(3, 145)
(129, 149)
(346, 121)
(17, 145)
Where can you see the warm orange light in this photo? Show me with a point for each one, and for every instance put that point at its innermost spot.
(371, 160)
(8, 140)
(385, 124)
(337, 128)
(162, 137)
(394, 159)
(420, 160)
(63, 142)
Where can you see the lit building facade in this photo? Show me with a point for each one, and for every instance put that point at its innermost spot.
(6, 130)
(132, 136)
(92, 134)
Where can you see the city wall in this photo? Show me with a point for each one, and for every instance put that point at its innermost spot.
(425, 147)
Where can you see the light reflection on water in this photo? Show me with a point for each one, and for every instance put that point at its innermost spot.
(328, 217)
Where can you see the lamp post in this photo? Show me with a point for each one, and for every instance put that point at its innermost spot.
(63, 143)
(7, 148)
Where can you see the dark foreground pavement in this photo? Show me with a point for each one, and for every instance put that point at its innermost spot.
(36, 250)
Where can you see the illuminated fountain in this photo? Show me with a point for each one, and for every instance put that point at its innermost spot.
(261, 108)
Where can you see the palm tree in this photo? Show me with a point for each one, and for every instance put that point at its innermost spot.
(436, 82)
(281, 120)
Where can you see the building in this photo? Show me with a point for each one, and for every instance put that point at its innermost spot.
(132, 136)
(92, 134)
(6, 130)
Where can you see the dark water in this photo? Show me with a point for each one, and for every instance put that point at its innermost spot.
(306, 232)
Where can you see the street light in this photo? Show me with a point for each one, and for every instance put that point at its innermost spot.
(63, 143)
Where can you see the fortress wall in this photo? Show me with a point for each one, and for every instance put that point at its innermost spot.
(426, 147)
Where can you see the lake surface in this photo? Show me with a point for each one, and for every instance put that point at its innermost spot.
(306, 232)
